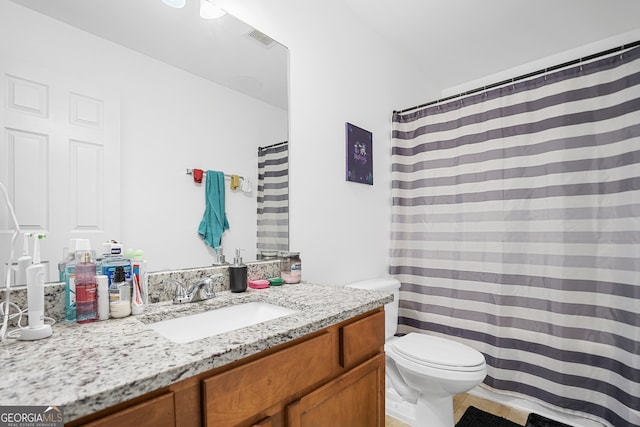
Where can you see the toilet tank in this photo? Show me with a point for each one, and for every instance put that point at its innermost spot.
(384, 284)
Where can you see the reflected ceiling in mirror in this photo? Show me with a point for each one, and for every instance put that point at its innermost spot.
(223, 50)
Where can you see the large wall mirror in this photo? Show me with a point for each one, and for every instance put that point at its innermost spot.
(110, 103)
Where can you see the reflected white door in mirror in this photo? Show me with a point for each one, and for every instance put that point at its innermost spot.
(61, 142)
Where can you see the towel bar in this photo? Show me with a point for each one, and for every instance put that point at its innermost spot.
(190, 172)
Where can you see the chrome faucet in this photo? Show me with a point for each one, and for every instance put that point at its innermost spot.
(199, 291)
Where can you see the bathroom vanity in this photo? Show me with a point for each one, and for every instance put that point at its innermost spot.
(322, 365)
(334, 374)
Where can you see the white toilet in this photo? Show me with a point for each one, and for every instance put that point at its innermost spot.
(423, 372)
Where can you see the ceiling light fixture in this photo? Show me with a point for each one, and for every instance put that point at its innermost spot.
(175, 3)
(209, 10)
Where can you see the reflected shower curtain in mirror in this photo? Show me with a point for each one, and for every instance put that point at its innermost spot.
(273, 197)
(516, 230)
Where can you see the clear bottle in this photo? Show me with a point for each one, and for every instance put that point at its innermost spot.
(86, 288)
(140, 281)
(112, 258)
(62, 265)
(80, 245)
(70, 292)
(291, 267)
(119, 295)
(68, 257)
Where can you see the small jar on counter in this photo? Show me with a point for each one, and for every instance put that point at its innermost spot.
(267, 255)
(291, 267)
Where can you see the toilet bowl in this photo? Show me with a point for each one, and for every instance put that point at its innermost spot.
(423, 372)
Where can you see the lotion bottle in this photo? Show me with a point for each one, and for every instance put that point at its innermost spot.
(103, 297)
(119, 295)
(238, 274)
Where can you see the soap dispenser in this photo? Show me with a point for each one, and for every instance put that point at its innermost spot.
(238, 274)
(220, 260)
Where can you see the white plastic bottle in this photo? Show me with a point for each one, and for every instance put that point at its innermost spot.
(103, 297)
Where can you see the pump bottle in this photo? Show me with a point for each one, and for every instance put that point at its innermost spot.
(238, 274)
(81, 245)
(119, 295)
(86, 288)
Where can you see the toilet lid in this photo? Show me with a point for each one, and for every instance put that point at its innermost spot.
(436, 351)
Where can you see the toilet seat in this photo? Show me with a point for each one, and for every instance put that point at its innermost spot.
(439, 353)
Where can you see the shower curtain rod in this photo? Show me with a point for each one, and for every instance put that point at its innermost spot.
(277, 144)
(525, 76)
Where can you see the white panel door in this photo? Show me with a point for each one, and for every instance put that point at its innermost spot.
(59, 158)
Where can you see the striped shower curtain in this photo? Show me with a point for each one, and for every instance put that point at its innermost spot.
(516, 230)
(273, 197)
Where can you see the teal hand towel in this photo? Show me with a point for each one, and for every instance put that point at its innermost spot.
(214, 221)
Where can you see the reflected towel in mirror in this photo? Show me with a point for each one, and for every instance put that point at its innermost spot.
(197, 176)
(245, 186)
(235, 182)
(214, 221)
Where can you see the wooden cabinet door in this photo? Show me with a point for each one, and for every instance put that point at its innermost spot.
(244, 393)
(355, 399)
(267, 422)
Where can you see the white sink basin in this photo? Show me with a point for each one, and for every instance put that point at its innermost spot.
(213, 322)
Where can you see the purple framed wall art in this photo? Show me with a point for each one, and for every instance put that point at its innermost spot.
(359, 154)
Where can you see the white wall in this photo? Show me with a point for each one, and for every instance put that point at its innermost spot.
(562, 57)
(171, 121)
(339, 72)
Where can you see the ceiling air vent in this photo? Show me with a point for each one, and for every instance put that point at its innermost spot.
(261, 38)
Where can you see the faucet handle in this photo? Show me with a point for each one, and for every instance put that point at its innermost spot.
(181, 294)
(207, 292)
(209, 285)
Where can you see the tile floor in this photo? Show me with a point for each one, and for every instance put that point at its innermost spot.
(462, 401)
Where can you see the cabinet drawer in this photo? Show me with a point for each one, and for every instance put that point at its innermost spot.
(158, 411)
(361, 339)
(241, 393)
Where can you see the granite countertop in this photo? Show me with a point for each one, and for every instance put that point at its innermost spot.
(89, 367)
